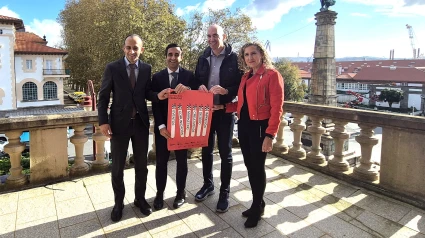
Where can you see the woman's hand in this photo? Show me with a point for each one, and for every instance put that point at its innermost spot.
(267, 144)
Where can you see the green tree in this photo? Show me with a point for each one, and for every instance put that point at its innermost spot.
(391, 96)
(94, 33)
(237, 26)
(295, 89)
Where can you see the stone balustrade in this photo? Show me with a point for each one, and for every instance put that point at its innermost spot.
(402, 163)
(399, 175)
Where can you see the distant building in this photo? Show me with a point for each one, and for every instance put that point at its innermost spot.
(370, 77)
(31, 73)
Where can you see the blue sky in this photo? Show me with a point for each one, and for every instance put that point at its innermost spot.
(363, 28)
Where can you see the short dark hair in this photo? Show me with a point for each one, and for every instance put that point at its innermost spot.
(132, 35)
(172, 45)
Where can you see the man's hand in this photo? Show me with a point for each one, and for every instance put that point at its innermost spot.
(180, 88)
(217, 89)
(203, 88)
(163, 94)
(164, 132)
(267, 144)
(217, 107)
(106, 130)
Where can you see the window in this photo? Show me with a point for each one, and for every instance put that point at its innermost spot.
(50, 90)
(1, 31)
(29, 91)
(29, 64)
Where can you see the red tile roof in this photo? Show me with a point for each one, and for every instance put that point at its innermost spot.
(30, 43)
(390, 74)
(19, 24)
(304, 74)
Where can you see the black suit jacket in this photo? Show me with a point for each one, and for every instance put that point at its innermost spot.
(115, 79)
(161, 81)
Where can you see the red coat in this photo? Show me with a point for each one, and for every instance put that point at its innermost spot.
(264, 92)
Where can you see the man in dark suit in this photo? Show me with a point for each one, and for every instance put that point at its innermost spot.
(129, 80)
(180, 80)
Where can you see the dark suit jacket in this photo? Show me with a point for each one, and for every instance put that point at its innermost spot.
(115, 79)
(161, 81)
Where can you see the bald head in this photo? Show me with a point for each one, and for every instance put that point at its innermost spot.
(216, 38)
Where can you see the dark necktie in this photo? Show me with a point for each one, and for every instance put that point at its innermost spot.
(132, 75)
(133, 84)
(173, 84)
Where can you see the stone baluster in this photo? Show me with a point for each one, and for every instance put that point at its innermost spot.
(366, 170)
(280, 148)
(78, 139)
(152, 152)
(14, 148)
(337, 161)
(316, 130)
(101, 162)
(297, 127)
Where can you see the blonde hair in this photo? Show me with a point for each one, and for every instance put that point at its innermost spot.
(265, 58)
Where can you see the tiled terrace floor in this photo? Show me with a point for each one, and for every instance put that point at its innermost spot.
(300, 203)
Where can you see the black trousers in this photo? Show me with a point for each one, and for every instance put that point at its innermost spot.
(162, 156)
(251, 136)
(221, 125)
(139, 135)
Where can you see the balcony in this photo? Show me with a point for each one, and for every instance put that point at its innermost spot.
(51, 73)
(307, 194)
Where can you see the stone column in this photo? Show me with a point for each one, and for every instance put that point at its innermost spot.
(366, 170)
(280, 148)
(14, 148)
(101, 162)
(316, 130)
(297, 127)
(78, 139)
(337, 162)
(323, 77)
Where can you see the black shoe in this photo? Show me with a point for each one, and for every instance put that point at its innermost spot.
(206, 190)
(223, 202)
(158, 203)
(247, 213)
(180, 199)
(144, 206)
(252, 220)
(116, 213)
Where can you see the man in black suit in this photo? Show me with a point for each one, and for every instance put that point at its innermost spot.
(129, 80)
(180, 80)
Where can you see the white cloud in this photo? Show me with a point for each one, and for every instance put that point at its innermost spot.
(358, 14)
(5, 11)
(203, 7)
(395, 8)
(310, 19)
(50, 28)
(265, 14)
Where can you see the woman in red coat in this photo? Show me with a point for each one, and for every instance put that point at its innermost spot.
(259, 108)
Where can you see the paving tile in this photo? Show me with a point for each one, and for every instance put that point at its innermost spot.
(90, 228)
(69, 190)
(379, 225)
(202, 221)
(36, 192)
(294, 204)
(73, 211)
(239, 171)
(9, 197)
(159, 221)
(414, 220)
(234, 218)
(288, 224)
(92, 180)
(7, 224)
(275, 234)
(8, 206)
(181, 230)
(133, 230)
(388, 209)
(229, 232)
(45, 227)
(103, 211)
(36, 208)
(100, 192)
